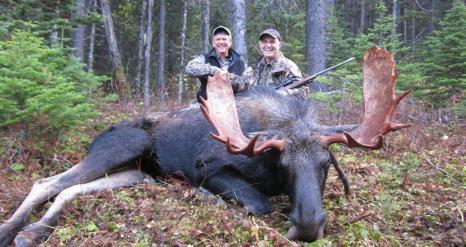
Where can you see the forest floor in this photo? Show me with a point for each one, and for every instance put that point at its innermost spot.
(410, 193)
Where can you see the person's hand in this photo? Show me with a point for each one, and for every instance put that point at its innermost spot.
(224, 72)
(232, 76)
(284, 91)
(304, 91)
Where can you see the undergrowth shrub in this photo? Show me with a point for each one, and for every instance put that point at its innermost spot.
(42, 86)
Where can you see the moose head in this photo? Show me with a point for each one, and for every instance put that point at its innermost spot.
(301, 147)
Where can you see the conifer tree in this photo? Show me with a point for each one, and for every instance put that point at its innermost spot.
(444, 60)
(41, 85)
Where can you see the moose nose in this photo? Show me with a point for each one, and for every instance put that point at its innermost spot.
(308, 230)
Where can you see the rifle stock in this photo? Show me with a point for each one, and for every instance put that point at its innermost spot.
(301, 83)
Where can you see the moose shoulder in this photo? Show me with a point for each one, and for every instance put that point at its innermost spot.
(284, 151)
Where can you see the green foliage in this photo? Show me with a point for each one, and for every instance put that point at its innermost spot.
(91, 227)
(47, 16)
(18, 167)
(348, 79)
(444, 59)
(42, 85)
(360, 234)
(379, 35)
(339, 40)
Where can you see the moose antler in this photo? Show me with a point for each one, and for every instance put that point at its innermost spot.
(220, 110)
(380, 102)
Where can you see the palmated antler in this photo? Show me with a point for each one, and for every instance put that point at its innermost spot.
(380, 103)
(220, 110)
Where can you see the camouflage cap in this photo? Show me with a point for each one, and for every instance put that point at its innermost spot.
(271, 32)
(221, 29)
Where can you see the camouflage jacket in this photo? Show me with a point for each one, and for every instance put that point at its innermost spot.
(279, 72)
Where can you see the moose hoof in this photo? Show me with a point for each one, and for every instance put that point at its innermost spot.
(32, 235)
(23, 241)
(7, 232)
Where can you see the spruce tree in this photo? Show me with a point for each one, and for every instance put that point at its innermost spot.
(347, 80)
(444, 60)
(42, 85)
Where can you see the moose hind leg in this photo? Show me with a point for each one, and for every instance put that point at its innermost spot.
(230, 186)
(34, 233)
(114, 148)
(41, 191)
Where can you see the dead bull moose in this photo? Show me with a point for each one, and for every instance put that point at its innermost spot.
(286, 151)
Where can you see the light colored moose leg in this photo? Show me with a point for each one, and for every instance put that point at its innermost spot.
(34, 233)
(42, 191)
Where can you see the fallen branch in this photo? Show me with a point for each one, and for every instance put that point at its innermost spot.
(440, 169)
(360, 217)
(461, 214)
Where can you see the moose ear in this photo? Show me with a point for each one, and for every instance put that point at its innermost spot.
(332, 130)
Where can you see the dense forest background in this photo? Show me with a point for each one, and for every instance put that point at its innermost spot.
(141, 47)
(71, 68)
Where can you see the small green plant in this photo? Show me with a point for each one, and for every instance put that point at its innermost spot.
(17, 167)
(91, 227)
(388, 204)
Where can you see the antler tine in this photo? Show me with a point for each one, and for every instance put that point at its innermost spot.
(221, 112)
(380, 103)
(247, 150)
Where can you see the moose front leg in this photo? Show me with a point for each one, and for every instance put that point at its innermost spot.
(33, 234)
(230, 186)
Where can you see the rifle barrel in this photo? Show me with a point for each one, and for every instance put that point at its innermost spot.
(334, 66)
(312, 77)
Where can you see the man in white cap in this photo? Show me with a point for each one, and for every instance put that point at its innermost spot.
(222, 57)
(272, 68)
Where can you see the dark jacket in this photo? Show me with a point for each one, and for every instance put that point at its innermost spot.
(236, 67)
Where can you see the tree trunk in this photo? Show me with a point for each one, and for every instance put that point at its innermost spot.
(183, 37)
(330, 12)
(161, 55)
(433, 17)
(90, 54)
(394, 16)
(142, 29)
(413, 30)
(113, 48)
(205, 26)
(362, 24)
(239, 28)
(147, 54)
(54, 33)
(330, 8)
(405, 24)
(315, 36)
(78, 36)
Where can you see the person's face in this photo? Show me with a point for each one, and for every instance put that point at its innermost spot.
(270, 47)
(221, 43)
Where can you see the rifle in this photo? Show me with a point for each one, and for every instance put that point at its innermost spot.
(290, 85)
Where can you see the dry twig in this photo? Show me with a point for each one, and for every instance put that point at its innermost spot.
(361, 216)
(440, 169)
